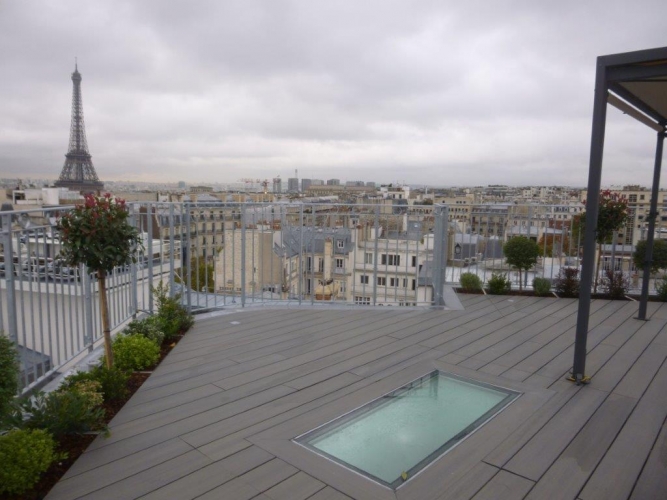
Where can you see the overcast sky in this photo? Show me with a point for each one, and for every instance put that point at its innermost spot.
(433, 92)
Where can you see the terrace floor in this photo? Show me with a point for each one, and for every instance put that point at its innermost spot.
(216, 419)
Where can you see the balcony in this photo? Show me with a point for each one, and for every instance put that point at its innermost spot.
(217, 416)
(216, 419)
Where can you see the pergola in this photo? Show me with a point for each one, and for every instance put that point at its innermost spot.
(635, 83)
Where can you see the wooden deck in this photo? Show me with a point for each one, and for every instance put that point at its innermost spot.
(215, 419)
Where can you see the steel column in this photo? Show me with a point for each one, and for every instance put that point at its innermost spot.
(653, 214)
(592, 202)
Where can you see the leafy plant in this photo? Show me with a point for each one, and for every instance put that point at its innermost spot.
(63, 412)
(661, 289)
(113, 382)
(554, 245)
(135, 352)
(541, 286)
(89, 389)
(24, 455)
(99, 235)
(521, 253)
(658, 259)
(202, 276)
(470, 282)
(149, 327)
(566, 283)
(9, 373)
(499, 284)
(612, 216)
(172, 316)
(615, 284)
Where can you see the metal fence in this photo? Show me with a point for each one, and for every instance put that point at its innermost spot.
(221, 255)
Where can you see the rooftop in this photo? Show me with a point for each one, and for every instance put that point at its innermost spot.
(216, 419)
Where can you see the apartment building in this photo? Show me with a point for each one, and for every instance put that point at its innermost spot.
(387, 265)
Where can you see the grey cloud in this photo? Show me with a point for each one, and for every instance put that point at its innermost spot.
(470, 93)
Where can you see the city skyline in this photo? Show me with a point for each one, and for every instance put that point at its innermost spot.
(426, 94)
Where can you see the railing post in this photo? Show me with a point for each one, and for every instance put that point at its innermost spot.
(439, 255)
(133, 269)
(301, 276)
(89, 337)
(243, 250)
(12, 324)
(171, 250)
(187, 280)
(149, 256)
(375, 257)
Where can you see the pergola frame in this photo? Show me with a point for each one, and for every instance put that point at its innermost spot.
(635, 83)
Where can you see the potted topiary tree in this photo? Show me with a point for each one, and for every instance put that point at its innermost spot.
(99, 235)
(521, 253)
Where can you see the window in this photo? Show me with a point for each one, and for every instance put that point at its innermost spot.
(391, 260)
(339, 264)
(363, 279)
(341, 287)
(368, 258)
(405, 282)
(414, 283)
(382, 281)
(340, 243)
(321, 266)
(309, 264)
(632, 198)
(362, 300)
(414, 261)
(393, 282)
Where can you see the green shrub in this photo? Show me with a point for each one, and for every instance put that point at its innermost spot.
(90, 389)
(470, 282)
(24, 455)
(615, 284)
(134, 352)
(541, 286)
(566, 283)
(63, 412)
(661, 289)
(499, 284)
(148, 327)
(113, 382)
(9, 374)
(173, 318)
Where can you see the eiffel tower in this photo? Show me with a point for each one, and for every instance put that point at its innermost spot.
(78, 173)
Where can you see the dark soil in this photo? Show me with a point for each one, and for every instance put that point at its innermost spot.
(471, 292)
(75, 444)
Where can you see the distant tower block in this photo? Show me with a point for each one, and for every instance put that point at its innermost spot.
(78, 173)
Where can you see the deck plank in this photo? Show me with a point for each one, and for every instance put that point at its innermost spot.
(618, 471)
(535, 458)
(505, 486)
(300, 486)
(571, 470)
(191, 431)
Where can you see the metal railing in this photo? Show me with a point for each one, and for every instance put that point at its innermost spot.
(221, 255)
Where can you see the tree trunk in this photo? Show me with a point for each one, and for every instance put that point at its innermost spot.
(104, 312)
(520, 281)
(597, 269)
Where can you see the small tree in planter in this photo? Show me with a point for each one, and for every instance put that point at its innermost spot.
(99, 235)
(566, 283)
(521, 253)
(612, 216)
(659, 257)
(615, 284)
